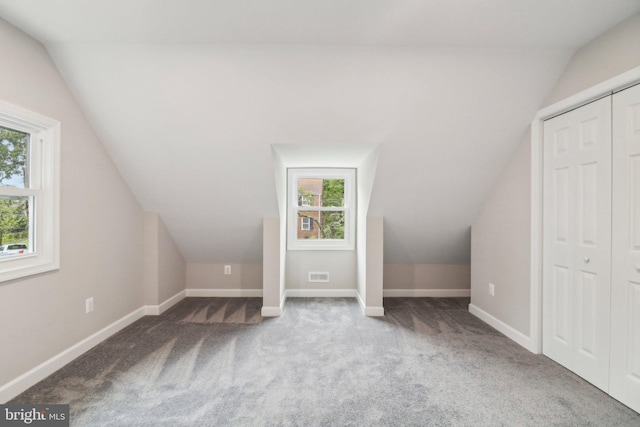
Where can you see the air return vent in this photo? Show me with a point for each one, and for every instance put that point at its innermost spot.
(316, 276)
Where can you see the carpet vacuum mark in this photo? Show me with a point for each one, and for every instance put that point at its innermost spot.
(217, 362)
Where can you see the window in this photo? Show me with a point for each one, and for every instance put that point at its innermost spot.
(29, 193)
(306, 223)
(321, 209)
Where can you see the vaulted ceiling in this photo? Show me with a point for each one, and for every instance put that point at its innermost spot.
(188, 96)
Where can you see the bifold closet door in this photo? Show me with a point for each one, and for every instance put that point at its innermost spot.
(577, 240)
(625, 297)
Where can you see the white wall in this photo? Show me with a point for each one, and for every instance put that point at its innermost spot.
(500, 250)
(426, 277)
(613, 53)
(172, 269)
(366, 179)
(211, 276)
(341, 266)
(346, 268)
(150, 256)
(101, 226)
(374, 266)
(273, 256)
(164, 266)
(500, 245)
(423, 104)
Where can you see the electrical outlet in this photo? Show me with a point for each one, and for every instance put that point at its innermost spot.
(227, 269)
(88, 305)
(492, 289)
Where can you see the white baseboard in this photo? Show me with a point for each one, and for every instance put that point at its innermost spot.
(155, 310)
(16, 386)
(432, 293)
(369, 311)
(502, 327)
(225, 293)
(374, 311)
(271, 311)
(328, 293)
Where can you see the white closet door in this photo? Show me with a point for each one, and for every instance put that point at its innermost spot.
(577, 240)
(625, 298)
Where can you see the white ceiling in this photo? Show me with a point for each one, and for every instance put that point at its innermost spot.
(188, 96)
(471, 23)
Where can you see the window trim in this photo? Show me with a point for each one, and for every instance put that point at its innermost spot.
(348, 243)
(44, 187)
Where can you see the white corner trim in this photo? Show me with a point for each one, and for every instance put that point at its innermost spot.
(156, 310)
(433, 293)
(361, 302)
(225, 293)
(274, 311)
(369, 311)
(615, 84)
(502, 327)
(16, 386)
(321, 293)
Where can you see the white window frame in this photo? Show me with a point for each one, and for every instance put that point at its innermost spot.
(348, 243)
(44, 187)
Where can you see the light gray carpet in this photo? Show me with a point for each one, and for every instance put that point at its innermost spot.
(216, 362)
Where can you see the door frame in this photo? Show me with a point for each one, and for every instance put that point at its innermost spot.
(606, 88)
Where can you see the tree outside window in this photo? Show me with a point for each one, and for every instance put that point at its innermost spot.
(14, 210)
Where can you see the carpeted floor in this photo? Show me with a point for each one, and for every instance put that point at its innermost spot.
(216, 362)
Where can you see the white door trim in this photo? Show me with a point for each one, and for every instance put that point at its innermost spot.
(605, 88)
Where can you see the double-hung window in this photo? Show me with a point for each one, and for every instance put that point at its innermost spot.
(29, 193)
(321, 209)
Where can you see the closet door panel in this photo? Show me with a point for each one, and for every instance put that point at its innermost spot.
(592, 252)
(625, 302)
(577, 240)
(559, 238)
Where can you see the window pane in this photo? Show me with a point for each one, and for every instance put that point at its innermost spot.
(332, 225)
(308, 225)
(332, 192)
(14, 225)
(320, 225)
(313, 192)
(309, 191)
(14, 149)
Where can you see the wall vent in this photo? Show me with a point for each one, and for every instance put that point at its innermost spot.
(316, 276)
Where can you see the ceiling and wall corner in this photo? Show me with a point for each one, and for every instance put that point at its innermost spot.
(613, 53)
(188, 97)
